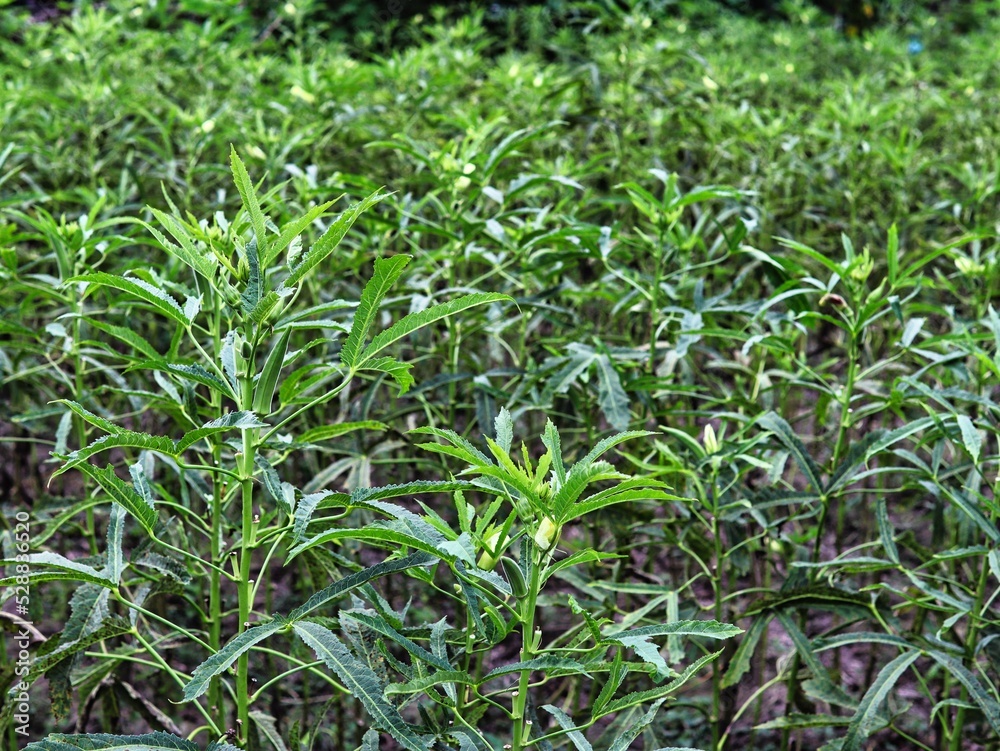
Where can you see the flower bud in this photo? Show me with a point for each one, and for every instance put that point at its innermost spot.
(546, 534)
(709, 441)
(486, 561)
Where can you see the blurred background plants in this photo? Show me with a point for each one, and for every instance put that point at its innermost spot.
(761, 234)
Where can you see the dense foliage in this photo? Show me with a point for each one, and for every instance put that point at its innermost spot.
(517, 388)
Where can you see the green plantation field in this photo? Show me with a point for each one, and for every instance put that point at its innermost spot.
(585, 376)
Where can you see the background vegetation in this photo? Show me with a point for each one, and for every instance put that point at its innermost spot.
(764, 249)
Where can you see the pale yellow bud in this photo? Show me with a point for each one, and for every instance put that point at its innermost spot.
(546, 534)
(709, 441)
(486, 561)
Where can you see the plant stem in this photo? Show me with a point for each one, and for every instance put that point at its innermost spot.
(244, 586)
(522, 728)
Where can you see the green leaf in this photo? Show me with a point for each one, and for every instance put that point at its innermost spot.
(232, 421)
(387, 271)
(641, 697)
(363, 684)
(709, 629)
(103, 742)
(566, 723)
(204, 263)
(64, 569)
(424, 682)
(744, 652)
(138, 288)
(580, 476)
(563, 665)
(267, 726)
(221, 660)
(616, 676)
(973, 511)
(410, 323)
(339, 588)
(326, 432)
(886, 533)
(111, 627)
(777, 425)
(398, 371)
(624, 740)
(120, 439)
(798, 721)
(123, 493)
(980, 695)
(972, 439)
(127, 335)
(255, 287)
(195, 373)
(106, 425)
(830, 692)
(88, 609)
(611, 397)
(292, 230)
(380, 626)
(867, 714)
(326, 244)
(503, 427)
(116, 531)
(249, 197)
(263, 393)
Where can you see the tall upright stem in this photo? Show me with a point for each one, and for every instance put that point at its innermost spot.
(522, 723)
(247, 544)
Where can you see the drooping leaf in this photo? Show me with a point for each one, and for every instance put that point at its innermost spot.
(972, 439)
(116, 531)
(362, 682)
(641, 697)
(777, 425)
(740, 663)
(123, 493)
(145, 291)
(339, 588)
(267, 726)
(396, 370)
(380, 626)
(120, 439)
(611, 396)
(232, 421)
(57, 567)
(867, 713)
(78, 409)
(624, 740)
(221, 660)
(566, 723)
(102, 742)
(980, 695)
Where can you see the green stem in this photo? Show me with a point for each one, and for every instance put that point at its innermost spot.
(247, 544)
(522, 724)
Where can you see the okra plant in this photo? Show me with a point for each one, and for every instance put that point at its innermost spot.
(206, 513)
(493, 565)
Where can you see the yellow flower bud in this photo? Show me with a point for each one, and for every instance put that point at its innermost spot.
(709, 441)
(486, 561)
(546, 534)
